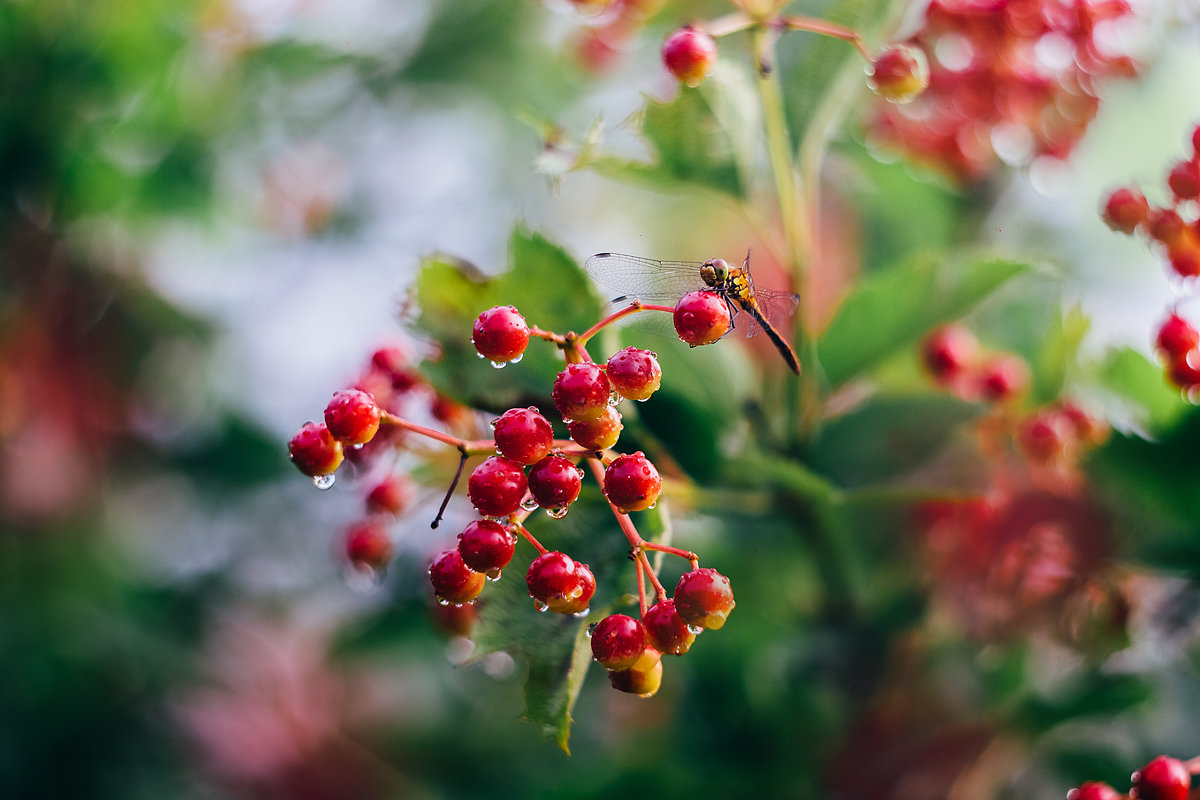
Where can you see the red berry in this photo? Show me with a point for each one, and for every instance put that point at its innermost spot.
(352, 416)
(1043, 436)
(948, 351)
(634, 373)
(631, 483)
(486, 545)
(523, 435)
(367, 544)
(1184, 179)
(1165, 225)
(1003, 377)
(554, 482)
(497, 486)
(1164, 778)
(1196, 141)
(702, 317)
(600, 433)
(1183, 252)
(581, 391)
(667, 631)
(1176, 337)
(391, 495)
(703, 598)
(689, 55)
(560, 583)
(635, 680)
(314, 451)
(1093, 790)
(501, 334)
(899, 73)
(453, 581)
(1183, 371)
(393, 362)
(618, 641)
(1125, 209)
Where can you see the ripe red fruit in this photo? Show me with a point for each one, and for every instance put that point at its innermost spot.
(453, 581)
(1165, 225)
(1184, 179)
(600, 433)
(581, 391)
(667, 631)
(1043, 436)
(1183, 371)
(704, 598)
(1093, 790)
(1196, 141)
(367, 544)
(618, 641)
(689, 55)
(1003, 377)
(501, 334)
(702, 317)
(631, 483)
(314, 451)
(1183, 252)
(639, 681)
(352, 416)
(523, 435)
(634, 373)
(486, 545)
(393, 363)
(560, 583)
(497, 486)
(1164, 778)
(391, 495)
(1176, 337)
(554, 482)
(899, 73)
(1125, 209)
(947, 352)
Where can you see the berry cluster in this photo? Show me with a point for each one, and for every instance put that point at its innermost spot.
(1175, 230)
(953, 357)
(1013, 81)
(527, 467)
(1162, 778)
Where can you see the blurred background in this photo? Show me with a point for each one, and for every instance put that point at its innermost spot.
(211, 214)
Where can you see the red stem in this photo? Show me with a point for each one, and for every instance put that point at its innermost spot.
(632, 308)
(825, 28)
(659, 591)
(675, 551)
(530, 538)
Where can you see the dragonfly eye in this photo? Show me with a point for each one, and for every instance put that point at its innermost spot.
(718, 268)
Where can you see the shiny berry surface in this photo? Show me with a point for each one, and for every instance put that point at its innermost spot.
(689, 54)
(497, 486)
(500, 334)
(581, 391)
(314, 451)
(486, 545)
(453, 581)
(554, 482)
(634, 373)
(523, 435)
(704, 598)
(367, 544)
(666, 630)
(577, 602)
(631, 483)
(618, 641)
(1163, 778)
(352, 417)
(560, 583)
(702, 317)
(600, 433)
(899, 73)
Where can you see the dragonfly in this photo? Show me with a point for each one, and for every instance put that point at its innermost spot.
(652, 281)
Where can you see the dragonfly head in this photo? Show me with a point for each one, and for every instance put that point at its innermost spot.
(715, 272)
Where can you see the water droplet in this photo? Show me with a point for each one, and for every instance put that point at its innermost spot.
(558, 512)
(441, 601)
(651, 506)
(493, 422)
(695, 630)
(517, 360)
(493, 575)
(540, 606)
(581, 614)
(324, 482)
(358, 446)
(529, 504)
(591, 629)
(480, 355)
(512, 537)
(582, 472)
(614, 397)
(643, 399)
(499, 364)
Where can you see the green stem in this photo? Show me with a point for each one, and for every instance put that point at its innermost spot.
(779, 150)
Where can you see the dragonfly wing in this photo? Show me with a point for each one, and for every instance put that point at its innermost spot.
(646, 279)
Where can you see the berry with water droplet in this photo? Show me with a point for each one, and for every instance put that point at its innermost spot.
(500, 334)
(497, 486)
(352, 416)
(1163, 778)
(704, 598)
(452, 580)
(391, 495)
(689, 54)
(314, 450)
(560, 583)
(367, 544)
(554, 481)
(899, 73)
(618, 641)
(523, 435)
(485, 545)
(634, 373)
(702, 317)
(1184, 371)
(631, 483)
(600, 433)
(666, 630)
(635, 680)
(581, 391)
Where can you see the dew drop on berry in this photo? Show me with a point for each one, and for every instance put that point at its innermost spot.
(540, 606)
(581, 614)
(499, 364)
(441, 601)
(324, 482)
(493, 575)
(529, 504)
(582, 472)
(591, 629)
(517, 360)
(492, 423)
(643, 399)
(557, 512)
(695, 630)
(614, 397)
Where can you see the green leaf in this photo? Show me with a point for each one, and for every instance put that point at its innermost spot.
(891, 310)
(1057, 353)
(887, 437)
(1150, 402)
(545, 284)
